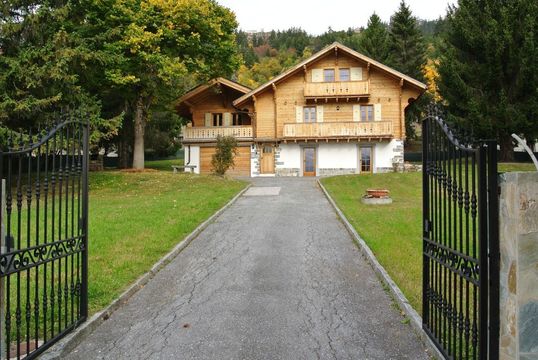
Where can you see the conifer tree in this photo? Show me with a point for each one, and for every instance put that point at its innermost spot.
(489, 69)
(406, 43)
(374, 40)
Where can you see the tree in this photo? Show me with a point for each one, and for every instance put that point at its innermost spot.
(406, 43)
(374, 40)
(489, 69)
(151, 45)
(225, 152)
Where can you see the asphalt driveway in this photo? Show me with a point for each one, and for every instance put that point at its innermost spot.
(276, 276)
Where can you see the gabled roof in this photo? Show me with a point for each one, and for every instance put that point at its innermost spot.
(203, 87)
(336, 45)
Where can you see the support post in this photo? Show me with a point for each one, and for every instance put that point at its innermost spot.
(3, 250)
(494, 250)
(85, 169)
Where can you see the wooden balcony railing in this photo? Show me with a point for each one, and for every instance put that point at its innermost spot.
(338, 129)
(337, 89)
(209, 133)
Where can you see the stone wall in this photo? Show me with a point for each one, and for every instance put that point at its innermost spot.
(336, 171)
(519, 266)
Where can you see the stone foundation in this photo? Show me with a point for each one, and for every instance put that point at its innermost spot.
(287, 172)
(331, 172)
(519, 266)
(254, 161)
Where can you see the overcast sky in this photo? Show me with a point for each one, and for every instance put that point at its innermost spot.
(315, 16)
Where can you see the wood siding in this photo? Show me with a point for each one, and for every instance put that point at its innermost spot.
(242, 161)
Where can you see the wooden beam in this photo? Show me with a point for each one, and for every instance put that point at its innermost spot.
(276, 111)
(336, 56)
(305, 72)
(400, 110)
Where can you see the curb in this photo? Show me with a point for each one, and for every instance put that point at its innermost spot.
(397, 294)
(69, 342)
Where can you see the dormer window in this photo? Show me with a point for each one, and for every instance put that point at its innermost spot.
(328, 75)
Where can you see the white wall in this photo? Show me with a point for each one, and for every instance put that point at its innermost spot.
(290, 155)
(194, 158)
(384, 153)
(337, 156)
(254, 160)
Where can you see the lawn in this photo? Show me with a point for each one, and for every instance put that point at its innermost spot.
(163, 165)
(393, 232)
(136, 218)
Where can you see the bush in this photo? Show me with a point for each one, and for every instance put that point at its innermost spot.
(223, 159)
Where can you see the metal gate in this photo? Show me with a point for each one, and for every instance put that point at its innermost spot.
(43, 257)
(460, 242)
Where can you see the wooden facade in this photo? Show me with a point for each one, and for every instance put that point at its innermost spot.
(337, 95)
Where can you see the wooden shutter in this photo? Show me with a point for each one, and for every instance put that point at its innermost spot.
(356, 74)
(377, 112)
(317, 75)
(319, 115)
(227, 119)
(299, 114)
(207, 119)
(356, 113)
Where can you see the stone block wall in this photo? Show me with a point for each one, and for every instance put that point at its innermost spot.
(519, 266)
(336, 171)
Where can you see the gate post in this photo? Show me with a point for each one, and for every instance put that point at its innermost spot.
(85, 169)
(425, 223)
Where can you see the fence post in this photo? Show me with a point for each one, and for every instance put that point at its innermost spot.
(85, 169)
(3, 249)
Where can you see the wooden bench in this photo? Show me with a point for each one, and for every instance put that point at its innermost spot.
(182, 168)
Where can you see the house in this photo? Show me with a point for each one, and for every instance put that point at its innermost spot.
(337, 112)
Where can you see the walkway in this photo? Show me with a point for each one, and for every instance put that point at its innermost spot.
(274, 277)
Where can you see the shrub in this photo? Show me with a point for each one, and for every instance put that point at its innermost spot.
(223, 159)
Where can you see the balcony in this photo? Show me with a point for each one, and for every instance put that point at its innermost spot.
(374, 129)
(343, 89)
(211, 132)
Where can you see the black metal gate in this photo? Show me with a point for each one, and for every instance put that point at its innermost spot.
(44, 217)
(460, 243)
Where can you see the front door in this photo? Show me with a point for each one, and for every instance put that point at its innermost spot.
(365, 159)
(309, 161)
(268, 160)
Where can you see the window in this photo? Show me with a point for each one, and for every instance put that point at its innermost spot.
(328, 75)
(309, 114)
(217, 119)
(344, 74)
(367, 112)
(267, 149)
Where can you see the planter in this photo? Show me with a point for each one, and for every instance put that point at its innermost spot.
(377, 193)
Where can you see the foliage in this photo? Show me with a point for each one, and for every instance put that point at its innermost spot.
(407, 43)
(225, 152)
(374, 40)
(489, 69)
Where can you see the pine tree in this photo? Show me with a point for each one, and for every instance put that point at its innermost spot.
(406, 43)
(489, 69)
(374, 40)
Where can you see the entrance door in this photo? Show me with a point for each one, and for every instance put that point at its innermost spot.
(309, 161)
(365, 160)
(268, 160)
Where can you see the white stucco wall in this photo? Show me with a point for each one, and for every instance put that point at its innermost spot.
(384, 153)
(337, 156)
(254, 161)
(290, 156)
(194, 158)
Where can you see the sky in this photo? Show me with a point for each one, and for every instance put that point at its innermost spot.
(315, 16)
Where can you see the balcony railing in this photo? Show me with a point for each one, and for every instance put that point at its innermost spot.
(338, 129)
(337, 89)
(211, 132)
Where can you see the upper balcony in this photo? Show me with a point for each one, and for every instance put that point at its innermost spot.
(210, 133)
(335, 90)
(335, 130)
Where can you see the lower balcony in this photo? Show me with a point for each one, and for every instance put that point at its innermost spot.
(210, 133)
(354, 129)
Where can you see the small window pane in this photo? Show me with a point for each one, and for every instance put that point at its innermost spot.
(344, 74)
(217, 119)
(370, 113)
(367, 112)
(309, 114)
(267, 149)
(328, 75)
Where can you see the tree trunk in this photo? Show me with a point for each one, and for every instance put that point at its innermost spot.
(139, 128)
(507, 149)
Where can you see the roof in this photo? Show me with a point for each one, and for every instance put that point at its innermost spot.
(203, 87)
(373, 63)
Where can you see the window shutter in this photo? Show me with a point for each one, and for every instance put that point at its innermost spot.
(356, 113)
(227, 119)
(319, 111)
(317, 75)
(299, 114)
(377, 112)
(356, 74)
(207, 119)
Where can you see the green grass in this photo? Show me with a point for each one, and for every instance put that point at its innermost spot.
(136, 218)
(393, 232)
(163, 165)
